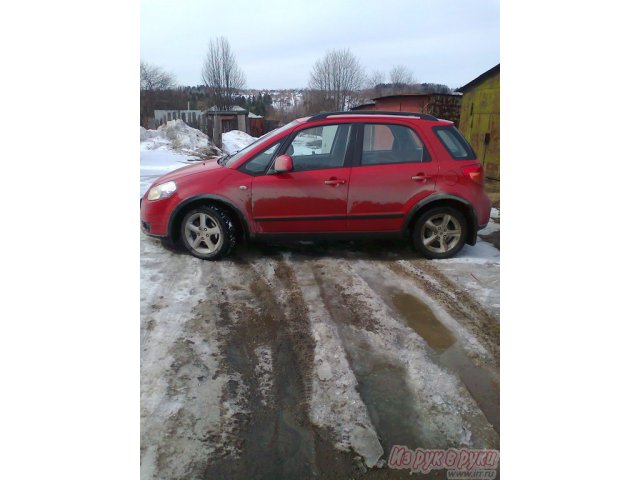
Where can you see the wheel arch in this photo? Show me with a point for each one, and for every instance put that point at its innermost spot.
(444, 201)
(178, 213)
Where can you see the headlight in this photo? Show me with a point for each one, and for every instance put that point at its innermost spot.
(163, 190)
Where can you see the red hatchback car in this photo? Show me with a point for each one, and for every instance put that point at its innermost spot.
(341, 174)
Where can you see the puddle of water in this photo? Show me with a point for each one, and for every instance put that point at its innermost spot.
(422, 319)
(479, 382)
(482, 386)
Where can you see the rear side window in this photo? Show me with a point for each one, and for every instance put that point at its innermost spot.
(455, 143)
(387, 143)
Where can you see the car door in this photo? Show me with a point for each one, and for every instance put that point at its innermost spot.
(392, 171)
(313, 197)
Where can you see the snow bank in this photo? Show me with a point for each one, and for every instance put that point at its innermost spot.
(155, 163)
(235, 140)
(171, 146)
(176, 135)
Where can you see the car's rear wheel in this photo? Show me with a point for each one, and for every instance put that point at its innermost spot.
(207, 232)
(440, 232)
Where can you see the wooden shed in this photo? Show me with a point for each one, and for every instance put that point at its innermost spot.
(221, 121)
(480, 119)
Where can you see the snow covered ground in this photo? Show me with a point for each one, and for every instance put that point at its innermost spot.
(302, 360)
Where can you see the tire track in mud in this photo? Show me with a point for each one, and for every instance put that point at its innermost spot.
(347, 296)
(381, 382)
(458, 303)
(275, 438)
(243, 366)
(172, 363)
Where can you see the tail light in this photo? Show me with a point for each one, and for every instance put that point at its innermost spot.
(475, 173)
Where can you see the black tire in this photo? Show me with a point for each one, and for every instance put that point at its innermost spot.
(429, 234)
(216, 220)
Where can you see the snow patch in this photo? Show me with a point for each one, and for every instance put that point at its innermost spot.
(491, 227)
(235, 140)
(482, 252)
(264, 370)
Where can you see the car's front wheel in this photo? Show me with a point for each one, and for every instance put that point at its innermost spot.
(208, 232)
(440, 232)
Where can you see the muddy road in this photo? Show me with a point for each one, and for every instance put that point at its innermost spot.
(312, 361)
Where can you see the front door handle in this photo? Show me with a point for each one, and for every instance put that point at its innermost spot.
(334, 181)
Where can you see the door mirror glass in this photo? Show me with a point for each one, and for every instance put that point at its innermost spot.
(283, 164)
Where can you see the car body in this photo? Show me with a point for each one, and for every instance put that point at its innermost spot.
(340, 175)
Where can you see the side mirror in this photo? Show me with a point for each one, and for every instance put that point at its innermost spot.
(284, 163)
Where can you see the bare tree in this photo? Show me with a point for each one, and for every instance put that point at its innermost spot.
(153, 77)
(377, 77)
(337, 76)
(221, 73)
(401, 75)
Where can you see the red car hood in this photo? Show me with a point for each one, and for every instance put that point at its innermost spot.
(196, 168)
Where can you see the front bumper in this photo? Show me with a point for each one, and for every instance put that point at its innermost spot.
(154, 217)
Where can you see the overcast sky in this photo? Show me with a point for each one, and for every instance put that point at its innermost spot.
(276, 42)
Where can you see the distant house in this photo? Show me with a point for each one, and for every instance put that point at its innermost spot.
(480, 119)
(441, 105)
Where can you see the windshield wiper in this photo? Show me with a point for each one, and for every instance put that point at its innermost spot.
(221, 160)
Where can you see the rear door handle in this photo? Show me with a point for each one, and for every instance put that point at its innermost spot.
(421, 177)
(334, 181)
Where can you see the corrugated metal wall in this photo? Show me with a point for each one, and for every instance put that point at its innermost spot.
(480, 123)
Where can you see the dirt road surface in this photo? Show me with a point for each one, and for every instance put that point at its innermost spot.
(312, 360)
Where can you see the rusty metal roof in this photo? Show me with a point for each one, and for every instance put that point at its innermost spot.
(415, 95)
(480, 78)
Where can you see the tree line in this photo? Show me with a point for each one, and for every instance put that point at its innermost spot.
(337, 82)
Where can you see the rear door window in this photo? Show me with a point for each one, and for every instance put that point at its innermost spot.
(389, 143)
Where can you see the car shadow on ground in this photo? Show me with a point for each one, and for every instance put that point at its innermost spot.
(340, 249)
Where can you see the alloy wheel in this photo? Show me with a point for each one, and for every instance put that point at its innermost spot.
(203, 233)
(441, 233)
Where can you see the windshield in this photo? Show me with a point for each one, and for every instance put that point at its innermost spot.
(229, 161)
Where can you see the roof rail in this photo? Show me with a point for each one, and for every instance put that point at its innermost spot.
(322, 116)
